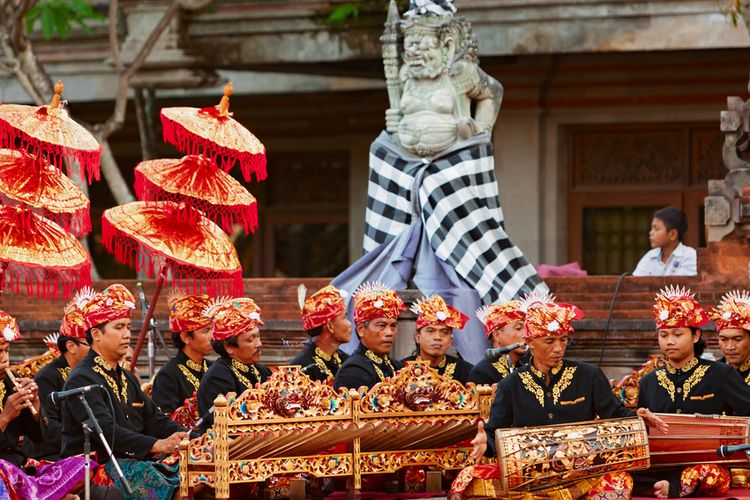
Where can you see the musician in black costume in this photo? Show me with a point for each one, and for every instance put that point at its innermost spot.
(503, 324)
(73, 347)
(689, 384)
(376, 311)
(236, 338)
(436, 322)
(324, 319)
(180, 378)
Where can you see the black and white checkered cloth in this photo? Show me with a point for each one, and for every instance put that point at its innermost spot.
(460, 211)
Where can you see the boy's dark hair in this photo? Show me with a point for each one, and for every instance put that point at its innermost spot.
(673, 218)
(700, 346)
(218, 345)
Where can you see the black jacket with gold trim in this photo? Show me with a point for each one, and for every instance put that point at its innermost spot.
(171, 384)
(222, 379)
(577, 392)
(459, 371)
(701, 386)
(359, 370)
(50, 378)
(306, 357)
(24, 425)
(137, 423)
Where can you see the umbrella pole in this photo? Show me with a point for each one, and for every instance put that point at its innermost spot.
(147, 319)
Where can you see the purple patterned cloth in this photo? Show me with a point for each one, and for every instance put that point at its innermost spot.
(49, 482)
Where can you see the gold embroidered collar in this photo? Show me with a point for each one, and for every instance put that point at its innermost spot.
(684, 369)
(239, 369)
(377, 360)
(540, 374)
(745, 366)
(440, 365)
(110, 376)
(196, 367)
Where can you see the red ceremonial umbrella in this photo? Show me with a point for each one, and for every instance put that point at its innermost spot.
(41, 186)
(213, 132)
(172, 237)
(50, 134)
(199, 183)
(41, 254)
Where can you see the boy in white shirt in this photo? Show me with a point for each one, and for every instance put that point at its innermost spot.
(668, 256)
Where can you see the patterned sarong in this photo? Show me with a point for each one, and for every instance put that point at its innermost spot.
(460, 211)
(148, 480)
(47, 481)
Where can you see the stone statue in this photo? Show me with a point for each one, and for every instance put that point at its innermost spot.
(440, 78)
(433, 218)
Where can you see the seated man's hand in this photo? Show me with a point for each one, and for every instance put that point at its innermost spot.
(14, 405)
(652, 420)
(169, 444)
(479, 443)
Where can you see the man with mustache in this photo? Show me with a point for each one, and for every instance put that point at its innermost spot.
(139, 434)
(376, 310)
(436, 321)
(236, 338)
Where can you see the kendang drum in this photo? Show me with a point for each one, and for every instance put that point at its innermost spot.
(532, 458)
(695, 439)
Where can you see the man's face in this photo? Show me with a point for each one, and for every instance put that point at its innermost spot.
(199, 341)
(4, 355)
(511, 333)
(341, 328)
(112, 339)
(249, 347)
(379, 335)
(735, 344)
(434, 340)
(549, 351)
(677, 343)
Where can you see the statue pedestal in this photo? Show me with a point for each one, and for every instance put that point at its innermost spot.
(726, 263)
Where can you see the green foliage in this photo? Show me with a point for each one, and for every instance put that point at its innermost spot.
(350, 11)
(58, 16)
(343, 12)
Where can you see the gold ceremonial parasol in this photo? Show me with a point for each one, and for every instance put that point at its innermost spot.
(41, 254)
(41, 186)
(50, 134)
(199, 183)
(174, 237)
(169, 236)
(213, 132)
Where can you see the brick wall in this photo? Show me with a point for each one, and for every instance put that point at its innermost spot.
(630, 335)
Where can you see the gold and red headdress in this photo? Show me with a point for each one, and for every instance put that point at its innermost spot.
(545, 317)
(676, 307)
(73, 324)
(733, 311)
(8, 327)
(112, 303)
(320, 307)
(232, 317)
(434, 311)
(494, 316)
(186, 311)
(375, 300)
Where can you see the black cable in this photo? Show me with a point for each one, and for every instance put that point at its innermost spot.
(609, 316)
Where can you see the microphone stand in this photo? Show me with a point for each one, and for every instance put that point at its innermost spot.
(92, 425)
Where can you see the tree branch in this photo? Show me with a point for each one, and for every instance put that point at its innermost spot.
(114, 43)
(121, 100)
